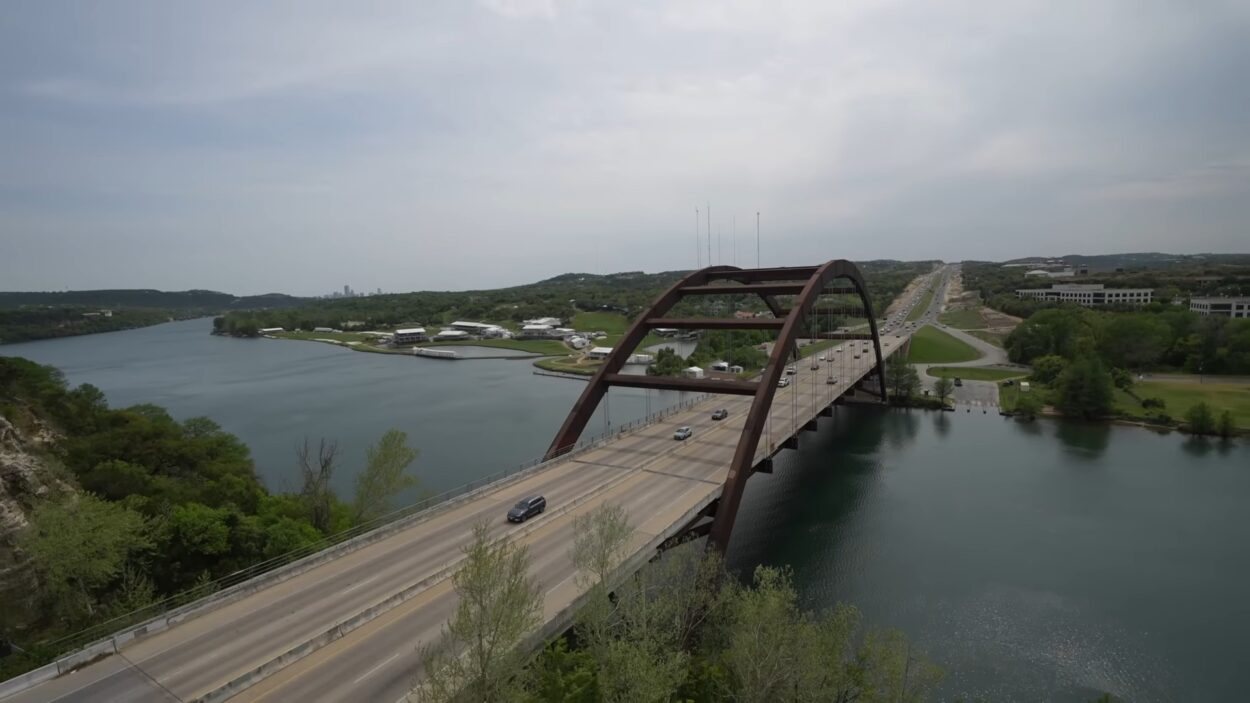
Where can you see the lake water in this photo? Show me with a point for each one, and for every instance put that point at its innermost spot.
(1040, 561)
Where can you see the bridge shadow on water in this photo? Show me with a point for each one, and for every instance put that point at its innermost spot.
(799, 514)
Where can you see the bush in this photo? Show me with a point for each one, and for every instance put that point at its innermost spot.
(1153, 403)
(1200, 419)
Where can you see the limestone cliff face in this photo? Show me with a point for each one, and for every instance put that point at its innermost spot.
(25, 474)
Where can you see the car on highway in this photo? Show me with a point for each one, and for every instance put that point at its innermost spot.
(821, 357)
(527, 508)
(815, 366)
(830, 381)
(783, 382)
(683, 433)
(720, 414)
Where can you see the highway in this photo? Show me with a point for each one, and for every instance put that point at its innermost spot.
(656, 478)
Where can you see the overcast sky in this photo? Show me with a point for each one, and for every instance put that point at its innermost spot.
(297, 147)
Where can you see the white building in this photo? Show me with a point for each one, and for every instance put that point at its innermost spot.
(599, 353)
(412, 335)
(577, 342)
(547, 321)
(1088, 294)
(537, 331)
(270, 330)
(693, 372)
(720, 365)
(1228, 307)
(447, 335)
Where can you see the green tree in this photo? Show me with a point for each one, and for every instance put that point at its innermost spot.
(667, 363)
(498, 605)
(1084, 389)
(600, 538)
(1047, 369)
(1226, 428)
(77, 550)
(901, 378)
(384, 475)
(943, 387)
(1028, 405)
(1200, 419)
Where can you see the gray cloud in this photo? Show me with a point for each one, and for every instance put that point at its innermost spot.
(297, 147)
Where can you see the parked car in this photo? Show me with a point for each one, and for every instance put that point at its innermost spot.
(959, 381)
(683, 433)
(1009, 382)
(527, 508)
(783, 382)
(720, 414)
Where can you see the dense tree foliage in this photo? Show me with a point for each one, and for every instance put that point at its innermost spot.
(1084, 389)
(28, 323)
(1175, 339)
(901, 378)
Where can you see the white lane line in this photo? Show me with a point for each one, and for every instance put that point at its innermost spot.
(358, 584)
(374, 670)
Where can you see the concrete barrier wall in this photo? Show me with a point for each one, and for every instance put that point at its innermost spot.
(20, 683)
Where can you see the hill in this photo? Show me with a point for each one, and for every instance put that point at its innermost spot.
(148, 298)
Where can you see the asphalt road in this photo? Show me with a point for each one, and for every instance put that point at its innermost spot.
(656, 478)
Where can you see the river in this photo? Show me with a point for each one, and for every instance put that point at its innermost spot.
(1032, 561)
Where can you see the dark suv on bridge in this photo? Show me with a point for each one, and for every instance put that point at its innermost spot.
(527, 508)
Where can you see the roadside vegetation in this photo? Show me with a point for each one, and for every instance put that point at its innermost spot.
(964, 318)
(677, 629)
(140, 510)
(930, 345)
(998, 339)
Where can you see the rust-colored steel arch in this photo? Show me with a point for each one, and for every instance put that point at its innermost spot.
(812, 282)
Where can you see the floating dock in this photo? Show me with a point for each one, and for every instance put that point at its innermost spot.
(436, 353)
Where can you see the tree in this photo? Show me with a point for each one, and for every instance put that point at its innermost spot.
(1084, 389)
(1225, 428)
(77, 550)
(384, 476)
(1046, 369)
(902, 379)
(1028, 405)
(1200, 419)
(667, 363)
(763, 640)
(599, 541)
(316, 472)
(499, 604)
(943, 388)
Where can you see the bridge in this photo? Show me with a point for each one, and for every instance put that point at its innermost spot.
(345, 625)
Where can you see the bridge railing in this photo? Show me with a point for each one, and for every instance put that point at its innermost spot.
(163, 607)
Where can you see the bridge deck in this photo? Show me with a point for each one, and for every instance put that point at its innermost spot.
(659, 481)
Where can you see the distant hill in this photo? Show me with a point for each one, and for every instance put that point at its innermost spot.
(147, 298)
(1136, 260)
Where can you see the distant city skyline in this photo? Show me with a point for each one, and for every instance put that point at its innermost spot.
(458, 145)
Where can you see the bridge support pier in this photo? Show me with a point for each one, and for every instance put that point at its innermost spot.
(792, 443)
(810, 426)
(827, 411)
(764, 467)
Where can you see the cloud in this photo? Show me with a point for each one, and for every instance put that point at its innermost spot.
(367, 146)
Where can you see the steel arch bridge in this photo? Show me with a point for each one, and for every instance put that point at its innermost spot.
(806, 283)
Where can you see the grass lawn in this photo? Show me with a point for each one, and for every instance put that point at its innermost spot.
(549, 347)
(998, 339)
(610, 322)
(973, 373)
(922, 306)
(963, 318)
(930, 345)
(569, 365)
(1180, 396)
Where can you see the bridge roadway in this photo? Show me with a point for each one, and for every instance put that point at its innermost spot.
(658, 480)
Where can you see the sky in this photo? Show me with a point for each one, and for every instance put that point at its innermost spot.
(297, 147)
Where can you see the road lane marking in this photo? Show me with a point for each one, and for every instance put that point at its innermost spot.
(358, 584)
(374, 670)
